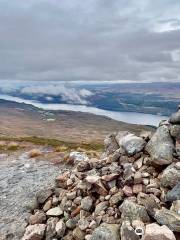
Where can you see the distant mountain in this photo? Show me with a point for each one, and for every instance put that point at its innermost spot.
(153, 98)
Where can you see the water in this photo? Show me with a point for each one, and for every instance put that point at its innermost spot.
(129, 117)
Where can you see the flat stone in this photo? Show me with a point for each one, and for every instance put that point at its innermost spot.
(137, 188)
(56, 211)
(78, 234)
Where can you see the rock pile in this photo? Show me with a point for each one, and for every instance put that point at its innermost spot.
(132, 192)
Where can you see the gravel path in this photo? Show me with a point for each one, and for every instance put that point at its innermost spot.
(20, 179)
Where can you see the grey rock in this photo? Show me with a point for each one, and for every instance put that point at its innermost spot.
(71, 223)
(174, 194)
(175, 131)
(78, 234)
(60, 228)
(110, 144)
(170, 176)
(161, 146)
(131, 143)
(86, 203)
(168, 218)
(51, 227)
(43, 195)
(101, 207)
(106, 232)
(132, 211)
(127, 232)
(175, 118)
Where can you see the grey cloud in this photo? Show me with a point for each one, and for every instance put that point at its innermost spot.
(89, 40)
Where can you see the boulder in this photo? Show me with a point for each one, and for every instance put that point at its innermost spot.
(168, 218)
(155, 232)
(161, 146)
(175, 118)
(170, 176)
(130, 143)
(34, 232)
(174, 194)
(132, 211)
(106, 232)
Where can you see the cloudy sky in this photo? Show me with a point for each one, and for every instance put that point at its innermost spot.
(102, 40)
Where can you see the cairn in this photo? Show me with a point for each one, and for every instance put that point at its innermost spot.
(132, 192)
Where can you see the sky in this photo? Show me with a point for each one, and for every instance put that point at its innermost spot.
(91, 40)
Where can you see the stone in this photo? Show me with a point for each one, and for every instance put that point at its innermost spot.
(110, 177)
(161, 146)
(175, 118)
(56, 211)
(149, 202)
(132, 211)
(86, 203)
(137, 188)
(170, 176)
(174, 194)
(34, 232)
(83, 166)
(110, 144)
(78, 157)
(60, 228)
(138, 163)
(127, 232)
(155, 232)
(37, 217)
(78, 234)
(116, 198)
(92, 179)
(177, 145)
(47, 205)
(127, 191)
(106, 232)
(101, 207)
(168, 218)
(51, 227)
(83, 224)
(137, 178)
(71, 195)
(71, 223)
(131, 143)
(43, 195)
(176, 207)
(175, 131)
